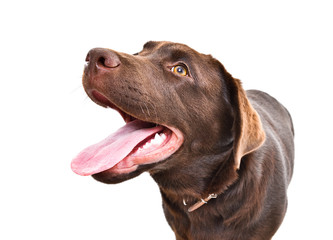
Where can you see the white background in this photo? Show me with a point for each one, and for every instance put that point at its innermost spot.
(283, 48)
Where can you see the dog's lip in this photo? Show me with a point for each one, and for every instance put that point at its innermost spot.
(103, 101)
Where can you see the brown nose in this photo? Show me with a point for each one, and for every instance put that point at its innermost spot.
(102, 58)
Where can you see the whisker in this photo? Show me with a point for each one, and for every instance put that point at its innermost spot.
(142, 109)
(154, 108)
(147, 109)
(76, 89)
(86, 98)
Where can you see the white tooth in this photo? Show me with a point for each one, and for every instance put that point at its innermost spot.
(163, 136)
(158, 139)
(154, 140)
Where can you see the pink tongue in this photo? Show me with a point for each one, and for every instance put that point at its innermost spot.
(110, 151)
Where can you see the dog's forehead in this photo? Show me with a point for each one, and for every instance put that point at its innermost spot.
(164, 46)
(151, 45)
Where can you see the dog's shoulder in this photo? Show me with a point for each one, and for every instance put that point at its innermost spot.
(269, 109)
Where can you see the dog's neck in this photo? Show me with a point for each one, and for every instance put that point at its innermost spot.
(185, 207)
(201, 186)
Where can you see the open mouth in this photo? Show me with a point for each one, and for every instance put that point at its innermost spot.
(137, 143)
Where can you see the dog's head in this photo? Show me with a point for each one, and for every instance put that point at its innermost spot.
(178, 105)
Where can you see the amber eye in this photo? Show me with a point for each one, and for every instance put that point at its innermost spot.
(179, 69)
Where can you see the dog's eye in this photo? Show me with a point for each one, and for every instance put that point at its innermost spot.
(179, 69)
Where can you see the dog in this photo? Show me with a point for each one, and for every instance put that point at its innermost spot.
(222, 157)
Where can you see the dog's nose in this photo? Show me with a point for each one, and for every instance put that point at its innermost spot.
(102, 58)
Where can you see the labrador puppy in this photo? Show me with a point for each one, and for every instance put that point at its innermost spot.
(221, 156)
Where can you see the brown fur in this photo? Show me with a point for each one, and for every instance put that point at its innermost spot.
(237, 144)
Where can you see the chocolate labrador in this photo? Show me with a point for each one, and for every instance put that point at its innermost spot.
(222, 157)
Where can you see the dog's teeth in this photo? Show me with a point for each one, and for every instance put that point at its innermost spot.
(154, 140)
(146, 146)
(163, 136)
(157, 139)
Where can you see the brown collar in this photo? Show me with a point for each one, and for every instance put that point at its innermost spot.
(201, 202)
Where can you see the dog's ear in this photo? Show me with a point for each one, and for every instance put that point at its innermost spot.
(248, 131)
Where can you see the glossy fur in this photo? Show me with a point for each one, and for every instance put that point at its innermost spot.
(237, 144)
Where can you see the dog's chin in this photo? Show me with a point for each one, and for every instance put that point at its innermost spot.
(114, 177)
(110, 178)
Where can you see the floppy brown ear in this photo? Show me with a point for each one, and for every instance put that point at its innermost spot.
(248, 132)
